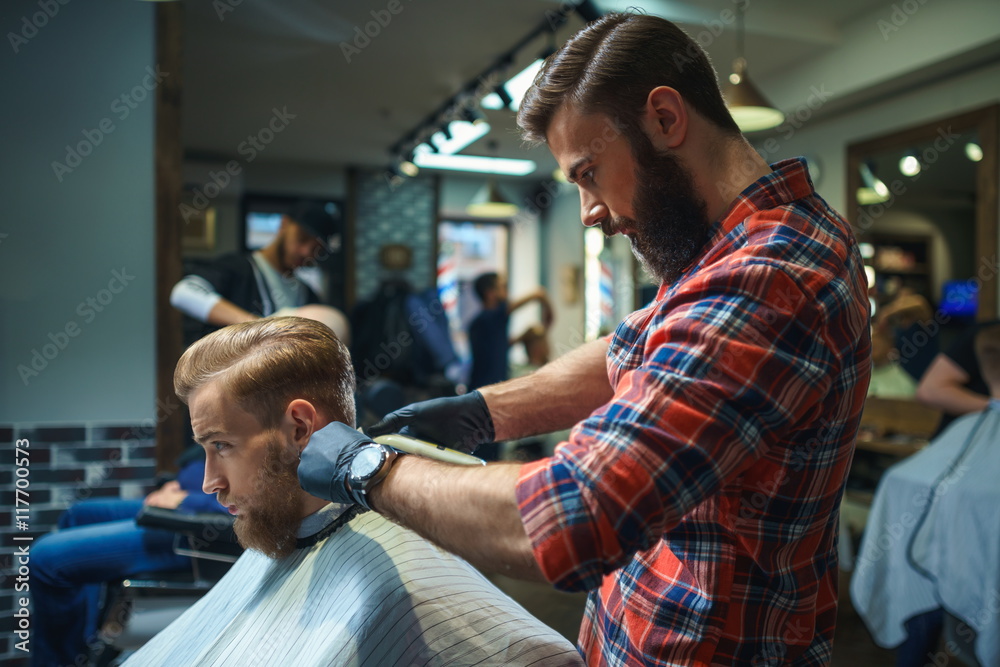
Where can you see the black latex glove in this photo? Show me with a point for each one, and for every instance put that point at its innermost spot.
(460, 422)
(326, 462)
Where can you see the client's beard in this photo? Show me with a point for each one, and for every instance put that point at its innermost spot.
(671, 222)
(269, 520)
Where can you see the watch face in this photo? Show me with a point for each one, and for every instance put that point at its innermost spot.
(367, 462)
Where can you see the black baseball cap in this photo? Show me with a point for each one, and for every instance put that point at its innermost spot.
(317, 220)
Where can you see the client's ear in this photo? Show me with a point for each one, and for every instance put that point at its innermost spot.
(300, 419)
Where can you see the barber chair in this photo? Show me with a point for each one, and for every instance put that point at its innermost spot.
(137, 608)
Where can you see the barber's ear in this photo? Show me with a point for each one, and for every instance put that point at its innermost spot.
(666, 117)
(301, 419)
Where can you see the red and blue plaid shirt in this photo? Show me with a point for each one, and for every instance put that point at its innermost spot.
(700, 506)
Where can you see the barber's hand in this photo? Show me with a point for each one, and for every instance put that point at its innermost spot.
(462, 422)
(326, 462)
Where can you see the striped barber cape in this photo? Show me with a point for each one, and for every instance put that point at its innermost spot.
(371, 593)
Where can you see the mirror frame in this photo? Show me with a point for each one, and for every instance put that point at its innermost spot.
(986, 121)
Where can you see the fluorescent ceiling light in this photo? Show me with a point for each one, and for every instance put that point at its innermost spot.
(462, 134)
(516, 87)
(486, 165)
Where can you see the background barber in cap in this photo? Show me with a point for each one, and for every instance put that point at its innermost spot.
(241, 287)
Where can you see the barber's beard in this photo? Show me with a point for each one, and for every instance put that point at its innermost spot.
(269, 520)
(671, 221)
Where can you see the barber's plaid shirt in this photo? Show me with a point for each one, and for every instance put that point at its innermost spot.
(700, 506)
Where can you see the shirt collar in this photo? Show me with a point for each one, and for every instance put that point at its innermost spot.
(788, 181)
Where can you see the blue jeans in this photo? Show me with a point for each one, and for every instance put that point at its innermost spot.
(97, 541)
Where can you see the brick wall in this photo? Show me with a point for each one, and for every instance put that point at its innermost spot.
(66, 464)
(406, 214)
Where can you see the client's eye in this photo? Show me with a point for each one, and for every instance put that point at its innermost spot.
(221, 446)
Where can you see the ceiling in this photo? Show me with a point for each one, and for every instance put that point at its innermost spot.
(288, 55)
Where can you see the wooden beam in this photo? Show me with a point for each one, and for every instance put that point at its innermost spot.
(170, 412)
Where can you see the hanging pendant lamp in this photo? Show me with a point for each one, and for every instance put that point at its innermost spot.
(747, 105)
(489, 202)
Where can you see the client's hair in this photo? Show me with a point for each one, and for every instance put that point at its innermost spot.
(988, 354)
(265, 364)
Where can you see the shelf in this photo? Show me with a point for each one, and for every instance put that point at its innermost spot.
(919, 270)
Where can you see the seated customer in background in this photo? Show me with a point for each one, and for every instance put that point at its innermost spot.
(953, 383)
(932, 541)
(905, 319)
(321, 583)
(98, 541)
(888, 380)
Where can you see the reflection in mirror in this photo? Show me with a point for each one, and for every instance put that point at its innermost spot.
(924, 241)
(926, 216)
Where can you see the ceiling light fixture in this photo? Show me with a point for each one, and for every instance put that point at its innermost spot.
(872, 190)
(473, 115)
(973, 151)
(408, 167)
(462, 134)
(489, 202)
(476, 163)
(505, 99)
(517, 86)
(909, 164)
(439, 130)
(748, 106)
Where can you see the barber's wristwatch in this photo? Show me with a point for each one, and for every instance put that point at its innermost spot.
(368, 468)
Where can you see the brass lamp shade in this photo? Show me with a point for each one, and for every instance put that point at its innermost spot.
(489, 202)
(751, 111)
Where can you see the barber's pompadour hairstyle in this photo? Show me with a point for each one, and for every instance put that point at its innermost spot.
(265, 364)
(987, 344)
(612, 64)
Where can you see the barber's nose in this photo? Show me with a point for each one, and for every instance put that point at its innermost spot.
(592, 209)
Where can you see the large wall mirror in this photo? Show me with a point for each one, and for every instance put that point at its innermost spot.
(924, 204)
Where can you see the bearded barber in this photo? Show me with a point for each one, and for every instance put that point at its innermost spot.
(697, 497)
